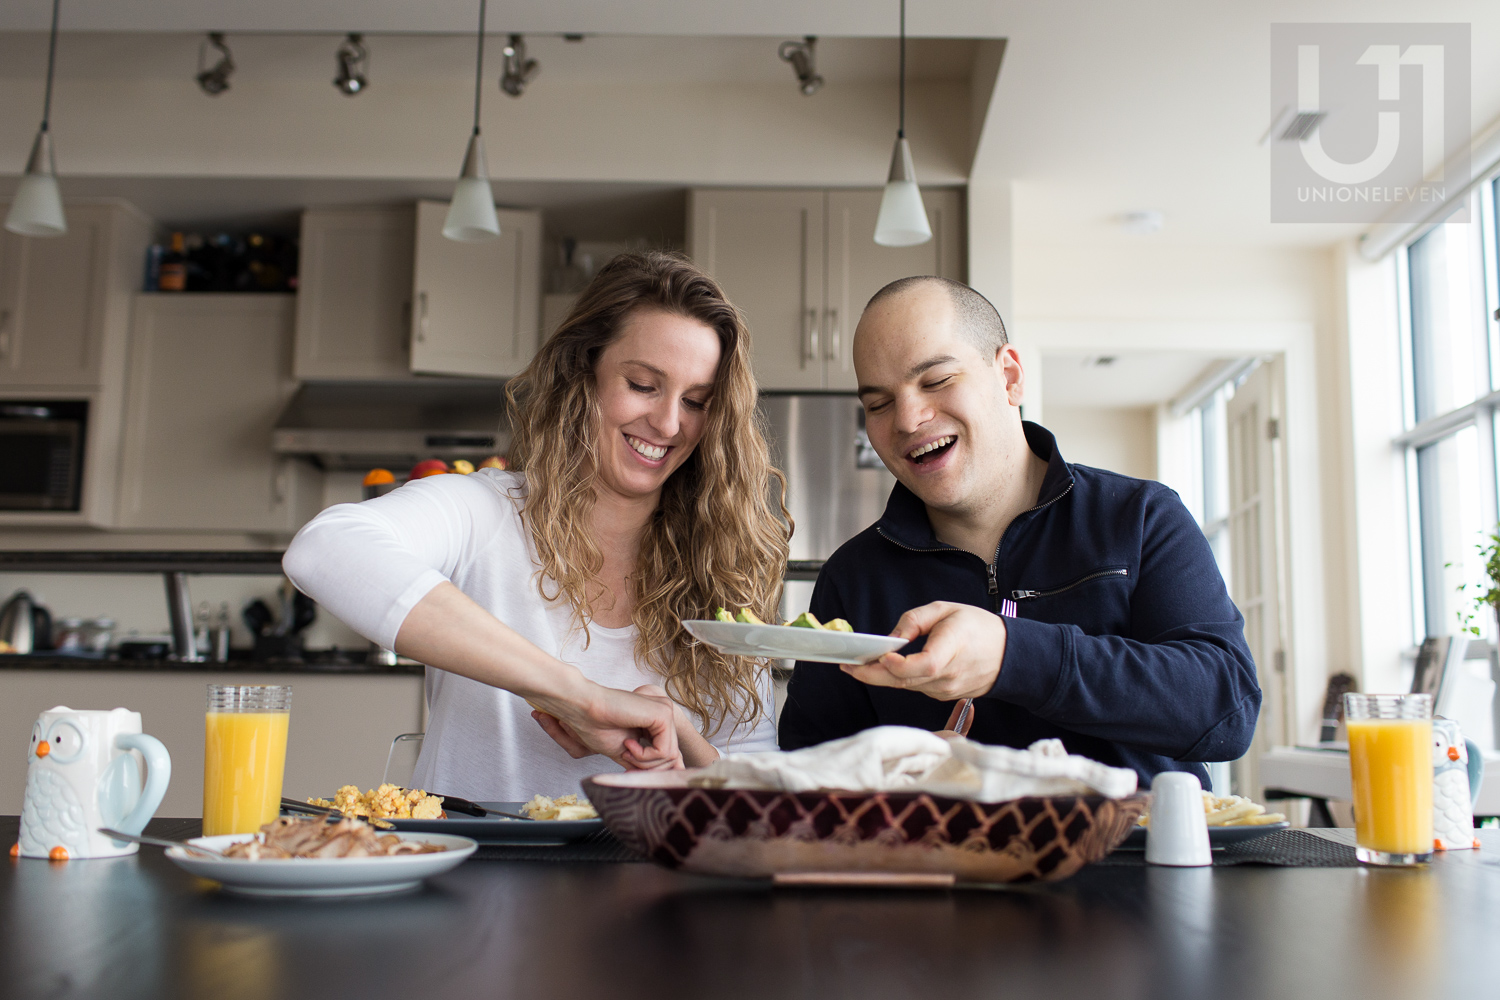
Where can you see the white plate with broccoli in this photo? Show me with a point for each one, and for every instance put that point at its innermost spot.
(806, 638)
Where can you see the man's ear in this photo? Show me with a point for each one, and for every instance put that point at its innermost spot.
(1008, 360)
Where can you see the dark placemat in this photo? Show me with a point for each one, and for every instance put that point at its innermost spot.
(170, 828)
(601, 846)
(1284, 849)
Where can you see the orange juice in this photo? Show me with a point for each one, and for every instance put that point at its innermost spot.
(1390, 762)
(244, 755)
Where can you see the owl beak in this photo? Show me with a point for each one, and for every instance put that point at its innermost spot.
(1453, 753)
(43, 748)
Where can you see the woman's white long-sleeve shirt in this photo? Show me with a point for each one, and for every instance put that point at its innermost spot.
(370, 563)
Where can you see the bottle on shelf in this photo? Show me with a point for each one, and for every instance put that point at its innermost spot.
(172, 274)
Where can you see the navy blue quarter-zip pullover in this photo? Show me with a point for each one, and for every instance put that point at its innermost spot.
(1125, 644)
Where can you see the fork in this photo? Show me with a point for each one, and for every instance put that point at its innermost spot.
(332, 815)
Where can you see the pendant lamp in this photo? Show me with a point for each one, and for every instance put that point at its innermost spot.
(36, 209)
(903, 219)
(471, 214)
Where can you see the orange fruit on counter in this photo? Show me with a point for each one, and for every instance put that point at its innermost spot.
(15, 849)
(379, 477)
(494, 462)
(431, 467)
(463, 466)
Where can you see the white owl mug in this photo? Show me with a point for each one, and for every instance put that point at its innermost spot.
(82, 775)
(1457, 770)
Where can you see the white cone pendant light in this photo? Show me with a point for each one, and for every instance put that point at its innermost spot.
(471, 213)
(903, 218)
(36, 209)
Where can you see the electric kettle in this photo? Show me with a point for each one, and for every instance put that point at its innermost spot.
(25, 625)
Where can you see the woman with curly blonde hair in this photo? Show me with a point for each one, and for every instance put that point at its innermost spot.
(547, 601)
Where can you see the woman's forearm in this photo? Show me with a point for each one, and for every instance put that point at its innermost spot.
(696, 751)
(446, 629)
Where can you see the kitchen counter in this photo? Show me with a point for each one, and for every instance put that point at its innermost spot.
(139, 927)
(318, 663)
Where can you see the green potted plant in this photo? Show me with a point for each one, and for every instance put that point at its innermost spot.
(1487, 593)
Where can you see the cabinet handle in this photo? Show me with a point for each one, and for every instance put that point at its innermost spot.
(4, 333)
(421, 317)
(833, 335)
(810, 335)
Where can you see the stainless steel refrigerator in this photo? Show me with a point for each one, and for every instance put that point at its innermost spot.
(836, 484)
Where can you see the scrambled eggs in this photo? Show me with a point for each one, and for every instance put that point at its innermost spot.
(385, 802)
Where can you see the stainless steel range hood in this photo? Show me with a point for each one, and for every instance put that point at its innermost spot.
(356, 426)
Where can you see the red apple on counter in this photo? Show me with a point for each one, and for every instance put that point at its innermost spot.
(431, 467)
(493, 462)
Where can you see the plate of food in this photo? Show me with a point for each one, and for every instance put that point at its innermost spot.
(299, 856)
(1232, 819)
(805, 638)
(544, 821)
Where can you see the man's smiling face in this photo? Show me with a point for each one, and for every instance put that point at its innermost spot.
(935, 407)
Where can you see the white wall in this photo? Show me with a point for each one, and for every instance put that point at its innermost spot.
(1117, 293)
(1120, 439)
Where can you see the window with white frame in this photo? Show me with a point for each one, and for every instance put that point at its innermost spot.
(1451, 362)
(1206, 493)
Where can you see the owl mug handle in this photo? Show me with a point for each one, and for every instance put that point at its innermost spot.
(158, 774)
(1476, 769)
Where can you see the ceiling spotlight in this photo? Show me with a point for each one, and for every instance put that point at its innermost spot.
(215, 79)
(354, 65)
(803, 56)
(519, 71)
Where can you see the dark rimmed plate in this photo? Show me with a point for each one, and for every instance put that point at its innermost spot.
(1219, 837)
(499, 830)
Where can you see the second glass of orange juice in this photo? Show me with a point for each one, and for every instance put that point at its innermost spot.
(1390, 765)
(244, 756)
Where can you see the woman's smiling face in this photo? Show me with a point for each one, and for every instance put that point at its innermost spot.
(655, 383)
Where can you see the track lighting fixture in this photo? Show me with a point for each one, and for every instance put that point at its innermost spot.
(215, 79)
(803, 56)
(354, 66)
(36, 209)
(519, 71)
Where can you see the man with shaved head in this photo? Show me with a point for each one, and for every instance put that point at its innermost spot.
(1042, 599)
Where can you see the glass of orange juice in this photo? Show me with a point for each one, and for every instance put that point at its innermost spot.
(244, 756)
(1390, 764)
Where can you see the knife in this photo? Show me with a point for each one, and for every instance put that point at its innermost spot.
(452, 803)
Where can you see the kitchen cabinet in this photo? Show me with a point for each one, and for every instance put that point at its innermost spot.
(354, 293)
(766, 248)
(800, 266)
(476, 306)
(208, 375)
(65, 300)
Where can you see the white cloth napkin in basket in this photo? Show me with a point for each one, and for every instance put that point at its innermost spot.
(900, 758)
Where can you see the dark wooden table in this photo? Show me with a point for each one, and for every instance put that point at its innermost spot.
(140, 927)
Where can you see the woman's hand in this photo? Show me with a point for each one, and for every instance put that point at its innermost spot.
(638, 730)
(695, 750)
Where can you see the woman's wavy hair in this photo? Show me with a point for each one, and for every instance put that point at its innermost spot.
(720, 534)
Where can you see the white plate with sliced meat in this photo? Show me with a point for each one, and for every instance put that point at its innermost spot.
(346, 876)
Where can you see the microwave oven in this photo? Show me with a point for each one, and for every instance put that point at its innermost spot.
(41, 454)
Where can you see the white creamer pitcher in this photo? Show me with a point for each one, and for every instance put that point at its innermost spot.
(82, 775)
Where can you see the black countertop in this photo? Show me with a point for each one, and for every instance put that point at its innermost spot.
(138, 927)
(319, 664)
(212, 563)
